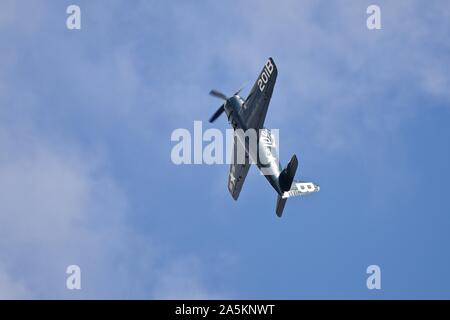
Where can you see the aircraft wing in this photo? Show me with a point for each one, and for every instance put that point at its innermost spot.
(254, 110)
(238, 170)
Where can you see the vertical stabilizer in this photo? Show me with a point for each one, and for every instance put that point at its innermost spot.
(285, 181)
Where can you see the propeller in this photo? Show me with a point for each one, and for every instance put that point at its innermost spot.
(240, 89)
(221, 109)
(217, 113)
(220, 95)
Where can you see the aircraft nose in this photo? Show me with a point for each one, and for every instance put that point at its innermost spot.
(317, 187)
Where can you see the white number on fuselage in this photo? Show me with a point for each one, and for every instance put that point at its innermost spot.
(265, 75)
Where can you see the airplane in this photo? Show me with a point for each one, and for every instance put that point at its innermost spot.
(249, 114)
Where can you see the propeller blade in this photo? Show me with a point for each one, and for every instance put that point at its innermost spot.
(218, 94)
(217, 113)
(240, 89)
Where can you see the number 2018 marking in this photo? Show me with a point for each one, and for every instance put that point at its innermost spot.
(265, 75)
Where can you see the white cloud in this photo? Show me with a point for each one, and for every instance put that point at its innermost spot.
(339, 79)
(59, 203)
(58, 206)
(10, 288)
(181, 280)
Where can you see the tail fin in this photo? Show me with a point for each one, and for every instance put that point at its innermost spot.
(287, 175)
(285, 180)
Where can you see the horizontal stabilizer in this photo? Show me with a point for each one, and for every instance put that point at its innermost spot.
(300, 188)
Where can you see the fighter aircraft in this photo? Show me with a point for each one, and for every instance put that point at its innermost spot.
(247, 115)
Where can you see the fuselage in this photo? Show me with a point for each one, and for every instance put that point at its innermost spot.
(265, 153)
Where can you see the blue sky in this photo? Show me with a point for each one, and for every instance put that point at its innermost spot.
(85, 170)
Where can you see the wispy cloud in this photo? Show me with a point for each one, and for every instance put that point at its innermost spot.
(60, 204)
